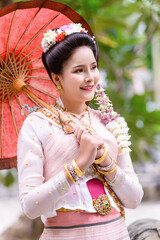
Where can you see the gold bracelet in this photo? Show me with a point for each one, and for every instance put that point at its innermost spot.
(68, 173)
(109, 172)
(76, 169)
(99, 160)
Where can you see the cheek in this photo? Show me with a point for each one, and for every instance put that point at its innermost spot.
(96, 77)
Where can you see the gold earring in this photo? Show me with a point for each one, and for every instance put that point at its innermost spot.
(59, 88)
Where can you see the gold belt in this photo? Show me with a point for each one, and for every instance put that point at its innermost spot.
(102, 205)
(68, 210)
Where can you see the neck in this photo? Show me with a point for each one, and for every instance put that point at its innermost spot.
(74, 107)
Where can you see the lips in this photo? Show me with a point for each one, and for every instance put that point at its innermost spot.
(88, 88)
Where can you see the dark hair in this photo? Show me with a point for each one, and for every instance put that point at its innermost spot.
(57, 55)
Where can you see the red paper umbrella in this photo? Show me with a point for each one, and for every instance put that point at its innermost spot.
(22, 75)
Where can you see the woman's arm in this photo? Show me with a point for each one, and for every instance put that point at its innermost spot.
(125, 183)
(36, 197)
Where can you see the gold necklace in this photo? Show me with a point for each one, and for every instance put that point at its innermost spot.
(54, 118)
(76, 116)
(68, 114)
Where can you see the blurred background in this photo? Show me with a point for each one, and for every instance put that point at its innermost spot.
(128, 36)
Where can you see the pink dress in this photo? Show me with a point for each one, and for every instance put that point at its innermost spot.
(43, 149)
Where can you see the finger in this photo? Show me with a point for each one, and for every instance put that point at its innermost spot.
(76, 129)
(99, 143)
(79, 133)
(101, 146)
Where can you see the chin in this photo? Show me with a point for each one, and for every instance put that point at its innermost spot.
(89, 98)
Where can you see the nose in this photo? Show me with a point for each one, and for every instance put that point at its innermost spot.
(89, 76)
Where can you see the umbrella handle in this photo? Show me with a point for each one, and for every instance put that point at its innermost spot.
(44, 104)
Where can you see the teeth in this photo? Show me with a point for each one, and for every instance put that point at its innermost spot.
(87, 88)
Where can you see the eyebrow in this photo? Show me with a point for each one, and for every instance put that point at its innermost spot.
(84, 65)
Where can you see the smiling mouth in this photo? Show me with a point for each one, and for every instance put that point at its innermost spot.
(87, 88)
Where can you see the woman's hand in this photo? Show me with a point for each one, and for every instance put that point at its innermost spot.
(100, 153)
(89, 142)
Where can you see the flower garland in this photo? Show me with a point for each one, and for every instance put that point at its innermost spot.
(114, 123)
(52, 37)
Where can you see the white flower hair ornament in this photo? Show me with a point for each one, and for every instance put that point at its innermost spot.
(52, 37)
(114, 123)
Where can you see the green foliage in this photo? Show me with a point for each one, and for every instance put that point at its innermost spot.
(22, 0)
(7, 179)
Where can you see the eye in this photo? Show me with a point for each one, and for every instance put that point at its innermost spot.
(78, 70)
(94, 67)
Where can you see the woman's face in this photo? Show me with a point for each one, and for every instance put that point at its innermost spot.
(79, 76)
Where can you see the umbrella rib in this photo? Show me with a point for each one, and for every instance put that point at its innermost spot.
(18, 100)
(23, 69)
(9, 35)
(26, 56)
(48, 94)
(22, 65)
(25, 31)
(11, 90)
(3, 91)
(1, 61)
(38, 68)
(32, 99)
(14, 121)
(31, 61)
(6, 66)
(43, 78)
(12, 64)
(4, 77)
(7, 88)
(39, 32)
(33, 50)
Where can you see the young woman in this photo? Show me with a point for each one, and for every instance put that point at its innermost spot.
(77, 180)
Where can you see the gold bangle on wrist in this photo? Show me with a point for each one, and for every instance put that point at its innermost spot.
(99, 160)
(110, 171)
(76, 169)
(68, 173)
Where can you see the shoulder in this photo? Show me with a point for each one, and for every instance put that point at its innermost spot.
(36, 126)
(41, 117)
(96, 114)
(34, 121)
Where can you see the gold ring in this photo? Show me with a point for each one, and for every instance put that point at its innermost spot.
(100, 147)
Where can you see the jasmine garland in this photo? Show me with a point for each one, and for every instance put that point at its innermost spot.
(114, 123)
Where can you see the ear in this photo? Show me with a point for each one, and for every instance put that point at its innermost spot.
(55, 78)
